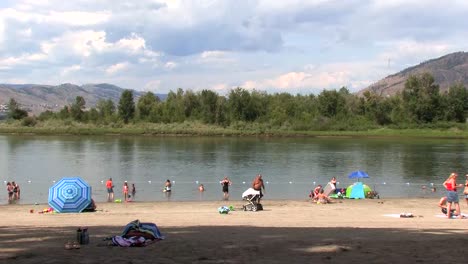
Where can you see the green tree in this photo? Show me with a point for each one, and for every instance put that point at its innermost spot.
(245, 106)
(145, 104)
(209, 106)
(77, 108)
(456, 103)
(126, 106)
(15, 111)
(64, 113)
(377, 108)
(421, 98)
(106, 108)
(191, 105)
(331, 103)
(173, 108)
(92, 115)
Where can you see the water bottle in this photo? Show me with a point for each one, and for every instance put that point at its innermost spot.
(84, 236)
(79, 237)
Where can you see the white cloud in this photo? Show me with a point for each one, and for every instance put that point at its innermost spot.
(26, 33)
(76, 18)
(71, 69)
(407, 50)
(152, 85)
(2, 33)
(24, 59)
(293, 46)
(78, 43)
(315, 78)
(170, 65)
(222, 88)
(212, 54)
(133, 44)
(113, 69)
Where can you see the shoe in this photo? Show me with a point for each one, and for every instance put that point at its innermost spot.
(76, 245)
(68, 245)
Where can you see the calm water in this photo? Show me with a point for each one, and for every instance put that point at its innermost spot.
(291, 166)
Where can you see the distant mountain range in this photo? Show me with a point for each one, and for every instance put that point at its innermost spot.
(447, 70)
(39, 98)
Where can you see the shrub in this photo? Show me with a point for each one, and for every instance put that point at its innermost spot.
(29, 121)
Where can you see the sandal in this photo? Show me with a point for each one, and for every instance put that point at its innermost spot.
(68, 245)
(76, 245)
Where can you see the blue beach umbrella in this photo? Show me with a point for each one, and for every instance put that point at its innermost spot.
(358, 174)
(70, 195)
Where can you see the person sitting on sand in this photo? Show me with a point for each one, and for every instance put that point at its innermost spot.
(315, 192)
(443, 205)
(333, 183)
(322, 198)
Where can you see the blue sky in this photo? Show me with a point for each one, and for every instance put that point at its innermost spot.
(293, 46)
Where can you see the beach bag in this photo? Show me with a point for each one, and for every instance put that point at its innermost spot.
(223, 210)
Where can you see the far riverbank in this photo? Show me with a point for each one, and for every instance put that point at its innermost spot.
(198, 129)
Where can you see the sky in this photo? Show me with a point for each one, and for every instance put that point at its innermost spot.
(294, 46)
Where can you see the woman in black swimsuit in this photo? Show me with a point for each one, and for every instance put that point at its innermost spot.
(225, 183)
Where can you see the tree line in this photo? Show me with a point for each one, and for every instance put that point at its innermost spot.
(420, 104)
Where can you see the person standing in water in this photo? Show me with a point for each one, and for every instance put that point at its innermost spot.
(225, 185)
(201, 188)
(110, 190)
(133, 191)
(16, 190)
(125, 191)
(167, 186)
(258, 185)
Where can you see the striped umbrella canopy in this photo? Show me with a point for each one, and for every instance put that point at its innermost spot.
(70, 195)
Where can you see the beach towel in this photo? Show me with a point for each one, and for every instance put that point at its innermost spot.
(130, 241)
(452, 217)
(401, 215)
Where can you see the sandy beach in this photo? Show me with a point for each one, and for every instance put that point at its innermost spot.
(369, 231)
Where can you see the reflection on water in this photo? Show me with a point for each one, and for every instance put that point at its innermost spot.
(291, 166)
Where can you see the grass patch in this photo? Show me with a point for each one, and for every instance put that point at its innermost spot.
(63, 127)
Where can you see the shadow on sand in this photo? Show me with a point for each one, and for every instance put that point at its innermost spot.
(239, 244)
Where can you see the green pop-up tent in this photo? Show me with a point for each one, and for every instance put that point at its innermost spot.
(357, 191)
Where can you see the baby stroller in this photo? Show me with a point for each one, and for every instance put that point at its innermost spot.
(253, 200)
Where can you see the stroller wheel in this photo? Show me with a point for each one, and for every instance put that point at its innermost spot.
(254, 208)
(244, 207)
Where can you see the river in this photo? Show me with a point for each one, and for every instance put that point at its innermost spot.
(291, 167)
